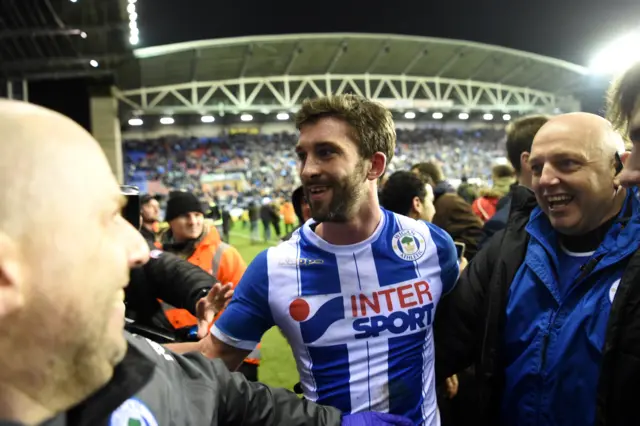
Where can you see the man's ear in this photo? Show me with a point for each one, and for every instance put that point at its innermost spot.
(12, 277)
(416, 203)
(378, 166)
(624, 157)
(524, 160)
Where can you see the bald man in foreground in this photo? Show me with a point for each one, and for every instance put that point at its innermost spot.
(65, 256)
(541, 310)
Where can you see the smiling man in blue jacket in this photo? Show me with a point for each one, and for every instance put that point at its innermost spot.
(543, 311)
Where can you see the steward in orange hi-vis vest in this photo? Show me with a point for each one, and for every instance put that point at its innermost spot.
(195, 239)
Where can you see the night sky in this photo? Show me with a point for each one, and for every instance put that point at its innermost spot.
(566, 29)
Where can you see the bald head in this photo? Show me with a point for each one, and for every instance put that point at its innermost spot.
(44, 157)
(573, 168)
(594, 132)
(65, 255)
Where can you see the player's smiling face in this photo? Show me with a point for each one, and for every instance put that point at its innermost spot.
(331, 169)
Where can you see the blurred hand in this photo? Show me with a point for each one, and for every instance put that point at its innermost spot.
(452, 386)
(209, 306)
(463, 263)
(375, 419)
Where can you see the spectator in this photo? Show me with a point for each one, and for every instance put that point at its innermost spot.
(227, 223)
(503, 177)
(267, 217)
(453, 214)
(624, 111)
(150, 212)
(520, 134)
(546, 309)
(405, 193)
(467, 191)
(254, 218)
(289, 216)
(301, 209)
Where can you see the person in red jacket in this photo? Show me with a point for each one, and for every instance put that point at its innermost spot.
(503, 177)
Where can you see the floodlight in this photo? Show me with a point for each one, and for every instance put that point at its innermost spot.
(617, 56)
(409, 115)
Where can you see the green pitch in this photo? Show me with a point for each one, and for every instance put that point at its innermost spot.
(278, 367)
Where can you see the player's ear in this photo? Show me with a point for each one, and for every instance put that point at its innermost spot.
(378, 166)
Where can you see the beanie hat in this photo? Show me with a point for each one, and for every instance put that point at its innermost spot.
(146, 198)
(182, 203)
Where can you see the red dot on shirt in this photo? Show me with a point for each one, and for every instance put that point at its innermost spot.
(299, 310)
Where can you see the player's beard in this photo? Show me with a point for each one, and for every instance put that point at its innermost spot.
(346, 196)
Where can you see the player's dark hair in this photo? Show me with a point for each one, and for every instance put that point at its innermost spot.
(372, 123)
(398, 193)
(520, 135)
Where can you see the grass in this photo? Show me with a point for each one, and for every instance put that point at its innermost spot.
(277, 367)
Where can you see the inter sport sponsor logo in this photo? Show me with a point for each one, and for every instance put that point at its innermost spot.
(398, 310)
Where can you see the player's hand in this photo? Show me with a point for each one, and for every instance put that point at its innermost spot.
(452, 386)
(375, 419)
(209, 306)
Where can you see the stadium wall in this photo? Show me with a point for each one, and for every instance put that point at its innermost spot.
(214, 130)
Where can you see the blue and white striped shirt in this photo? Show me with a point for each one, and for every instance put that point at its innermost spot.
(358, 317)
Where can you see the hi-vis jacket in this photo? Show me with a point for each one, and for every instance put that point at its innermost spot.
(219, 259)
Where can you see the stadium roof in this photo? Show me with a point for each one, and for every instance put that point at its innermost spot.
(44, 39)
(344, 53)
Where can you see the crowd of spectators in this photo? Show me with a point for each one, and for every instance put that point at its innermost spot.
(268, 164)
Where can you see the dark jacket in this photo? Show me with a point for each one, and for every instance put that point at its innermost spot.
(154, 386)
(499, 220)
(149, 236)
(469, 324)
(166, 277)
(455, 216)
(254, 212)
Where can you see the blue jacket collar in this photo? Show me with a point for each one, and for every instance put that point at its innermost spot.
(622, 239)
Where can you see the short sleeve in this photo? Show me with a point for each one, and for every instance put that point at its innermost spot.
(447, 257)
(248, 315)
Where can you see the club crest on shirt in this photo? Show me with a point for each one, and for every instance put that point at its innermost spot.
(132, 412)
(408, 245)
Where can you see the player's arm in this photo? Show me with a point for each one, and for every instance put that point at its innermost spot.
(447, 257)
(459, 322)
(240, 327)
